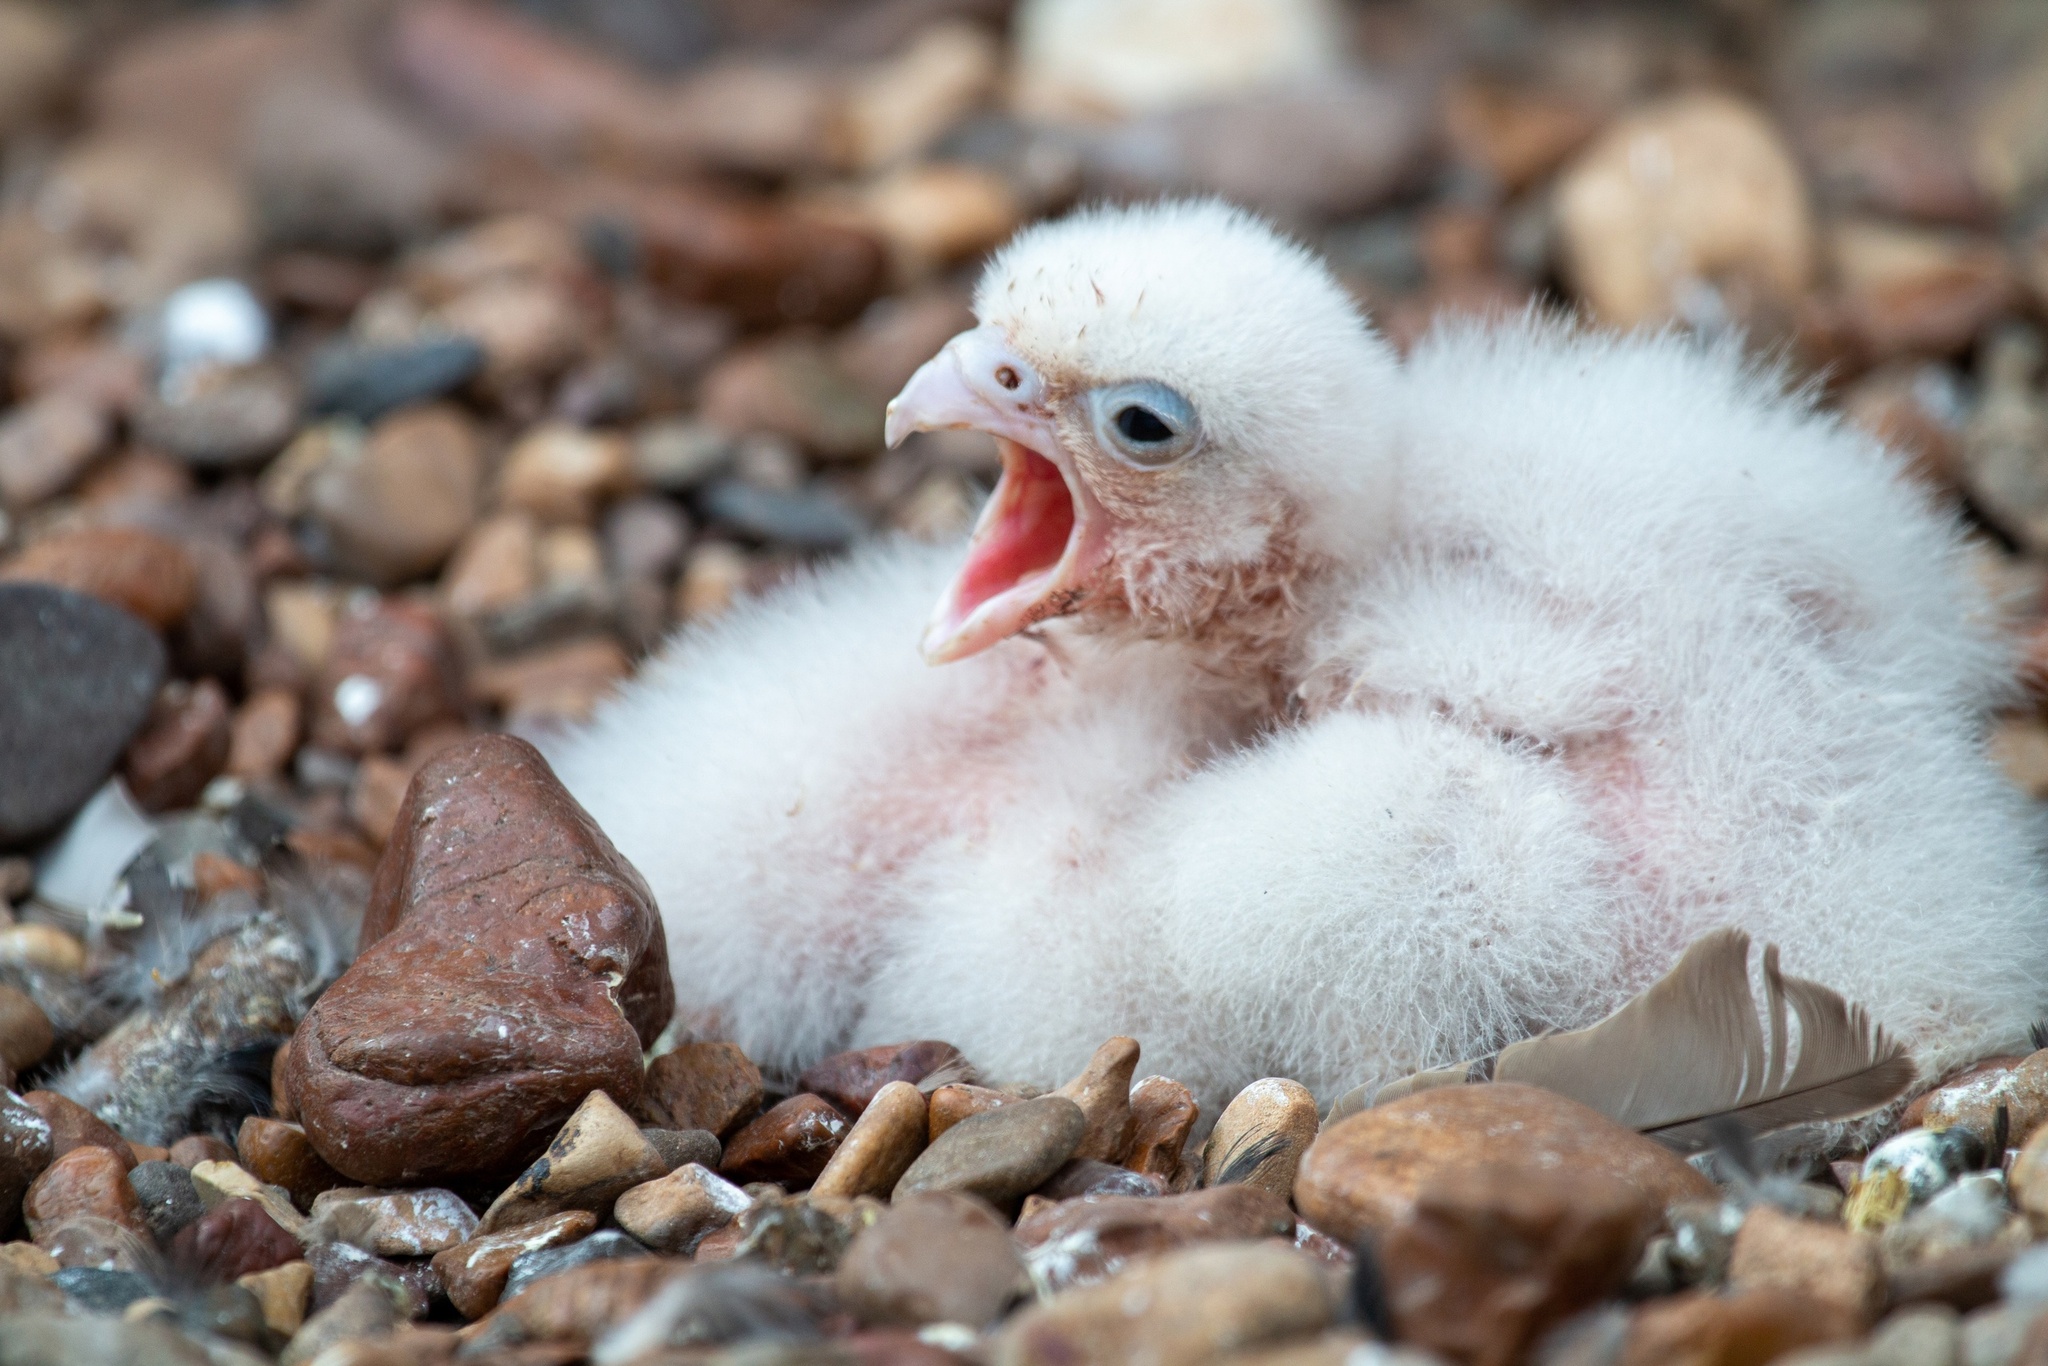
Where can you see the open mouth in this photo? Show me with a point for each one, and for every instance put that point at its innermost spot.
(1020, 562)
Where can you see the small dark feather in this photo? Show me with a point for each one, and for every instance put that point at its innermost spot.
(1247, 1155)
(1369, 1291)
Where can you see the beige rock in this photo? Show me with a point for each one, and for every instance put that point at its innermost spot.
(1683, 209)
(41, 946)
(2005, 442)
(1103, 1091)
(46, 444)
(301, 616)
(494, 566)
(558, 682)
(714, 576)
(674, 1213)
(284, 1292)
(932, 215)
(26, 1035)
(371, 1308)
(2029, 1180)
(952, 1103)
(1163, 1114)
(2009, 144)
(473, 1273)
(1731, 1329)
(899, 107)
(598, 1155)
(932, 1258)
(529, 329)
(1972, 1102)
(880, 1146)
(1362, 1172)
(1826, 1261)
(1088, 60)
(398, 501)
(563, 474)
(25, 1259)
(709, 1086)
(35, 56)
(1260, 1136)
(1184, 1307)
(2019, 746)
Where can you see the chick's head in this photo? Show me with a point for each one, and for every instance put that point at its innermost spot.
(1181, 397)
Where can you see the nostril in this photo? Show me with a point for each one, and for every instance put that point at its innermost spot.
(1008, 377)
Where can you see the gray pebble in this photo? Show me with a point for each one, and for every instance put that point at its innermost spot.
(366, 382)
(1000, 1154)
(169, 1199)
(100, 1290)
(605, 1245)
(680, 1147)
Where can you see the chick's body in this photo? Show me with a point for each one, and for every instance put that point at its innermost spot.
(1619, 645)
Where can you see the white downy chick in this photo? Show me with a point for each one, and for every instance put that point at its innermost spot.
(1306, 711)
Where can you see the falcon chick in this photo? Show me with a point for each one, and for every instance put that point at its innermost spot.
(1309, 711)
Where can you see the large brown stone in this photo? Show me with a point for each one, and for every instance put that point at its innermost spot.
(87, 1182)
(1480, 1266)
(513, 963)
(1362, 1174)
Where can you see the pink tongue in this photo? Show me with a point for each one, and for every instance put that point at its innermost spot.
(1034, 515)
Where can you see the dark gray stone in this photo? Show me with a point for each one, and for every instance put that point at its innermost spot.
(810, 519)
(244, 421)
(605, 1245)
(78, 681)
(100, 1290)
(1000, 1154)
(366, 382)
(169, 1199)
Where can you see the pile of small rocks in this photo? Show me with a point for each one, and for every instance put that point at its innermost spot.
(470, 1151)
(380, 380)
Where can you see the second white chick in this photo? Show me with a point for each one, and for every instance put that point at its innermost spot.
(1305, 711)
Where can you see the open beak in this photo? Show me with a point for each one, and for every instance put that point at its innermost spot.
(1041, 538)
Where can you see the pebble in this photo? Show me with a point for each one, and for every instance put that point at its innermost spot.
(680, 1147)
(80, 680)
(408, 1223)
(1917, 290)
(473, 1273)
(1733, 1329)
(597, 1155)
(182, 747)
(86, 1182)
(2001, 464)
(25, 1031)
(46, 445)
(712, 1086)
(790, 1144)
(100, 1289)
(1690, 208)
(389, 673)
(1079, 1242)
(25, 1152)
(1001, 1154)
(220, 1182)
(881, 1145)
(673, 1214)
(935, 1257)
(1183, 1307)
(168, 1198)
(395, 502)
(143, 573)
(1163, 1115)
(807, 519)
(606, 1245)
(850, 1080)
(283, 1294)
(1970, 1214)
(1906, 1170)
(235, 1238)
(1085, 1176)
(675, 454)
(372, 1307)
(495, 566)
(225, 419)
(554, 685)
(579, 1304)
(72, 1127)
(367, 381)
(1103, 1091)
(1260, 1136)
(461, 1039)
(49, 1339)
(1825, 1262)
(43, 947)
(1361, 1173)
(193, 1149)
(278, 1152)
(565, 474)
(950, 1104)
(1970, 1099)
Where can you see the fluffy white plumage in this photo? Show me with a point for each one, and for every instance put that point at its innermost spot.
(1428, 704)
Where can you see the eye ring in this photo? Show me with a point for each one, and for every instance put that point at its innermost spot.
(1144, 423)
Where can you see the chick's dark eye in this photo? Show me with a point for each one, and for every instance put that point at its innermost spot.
(1142, 424)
